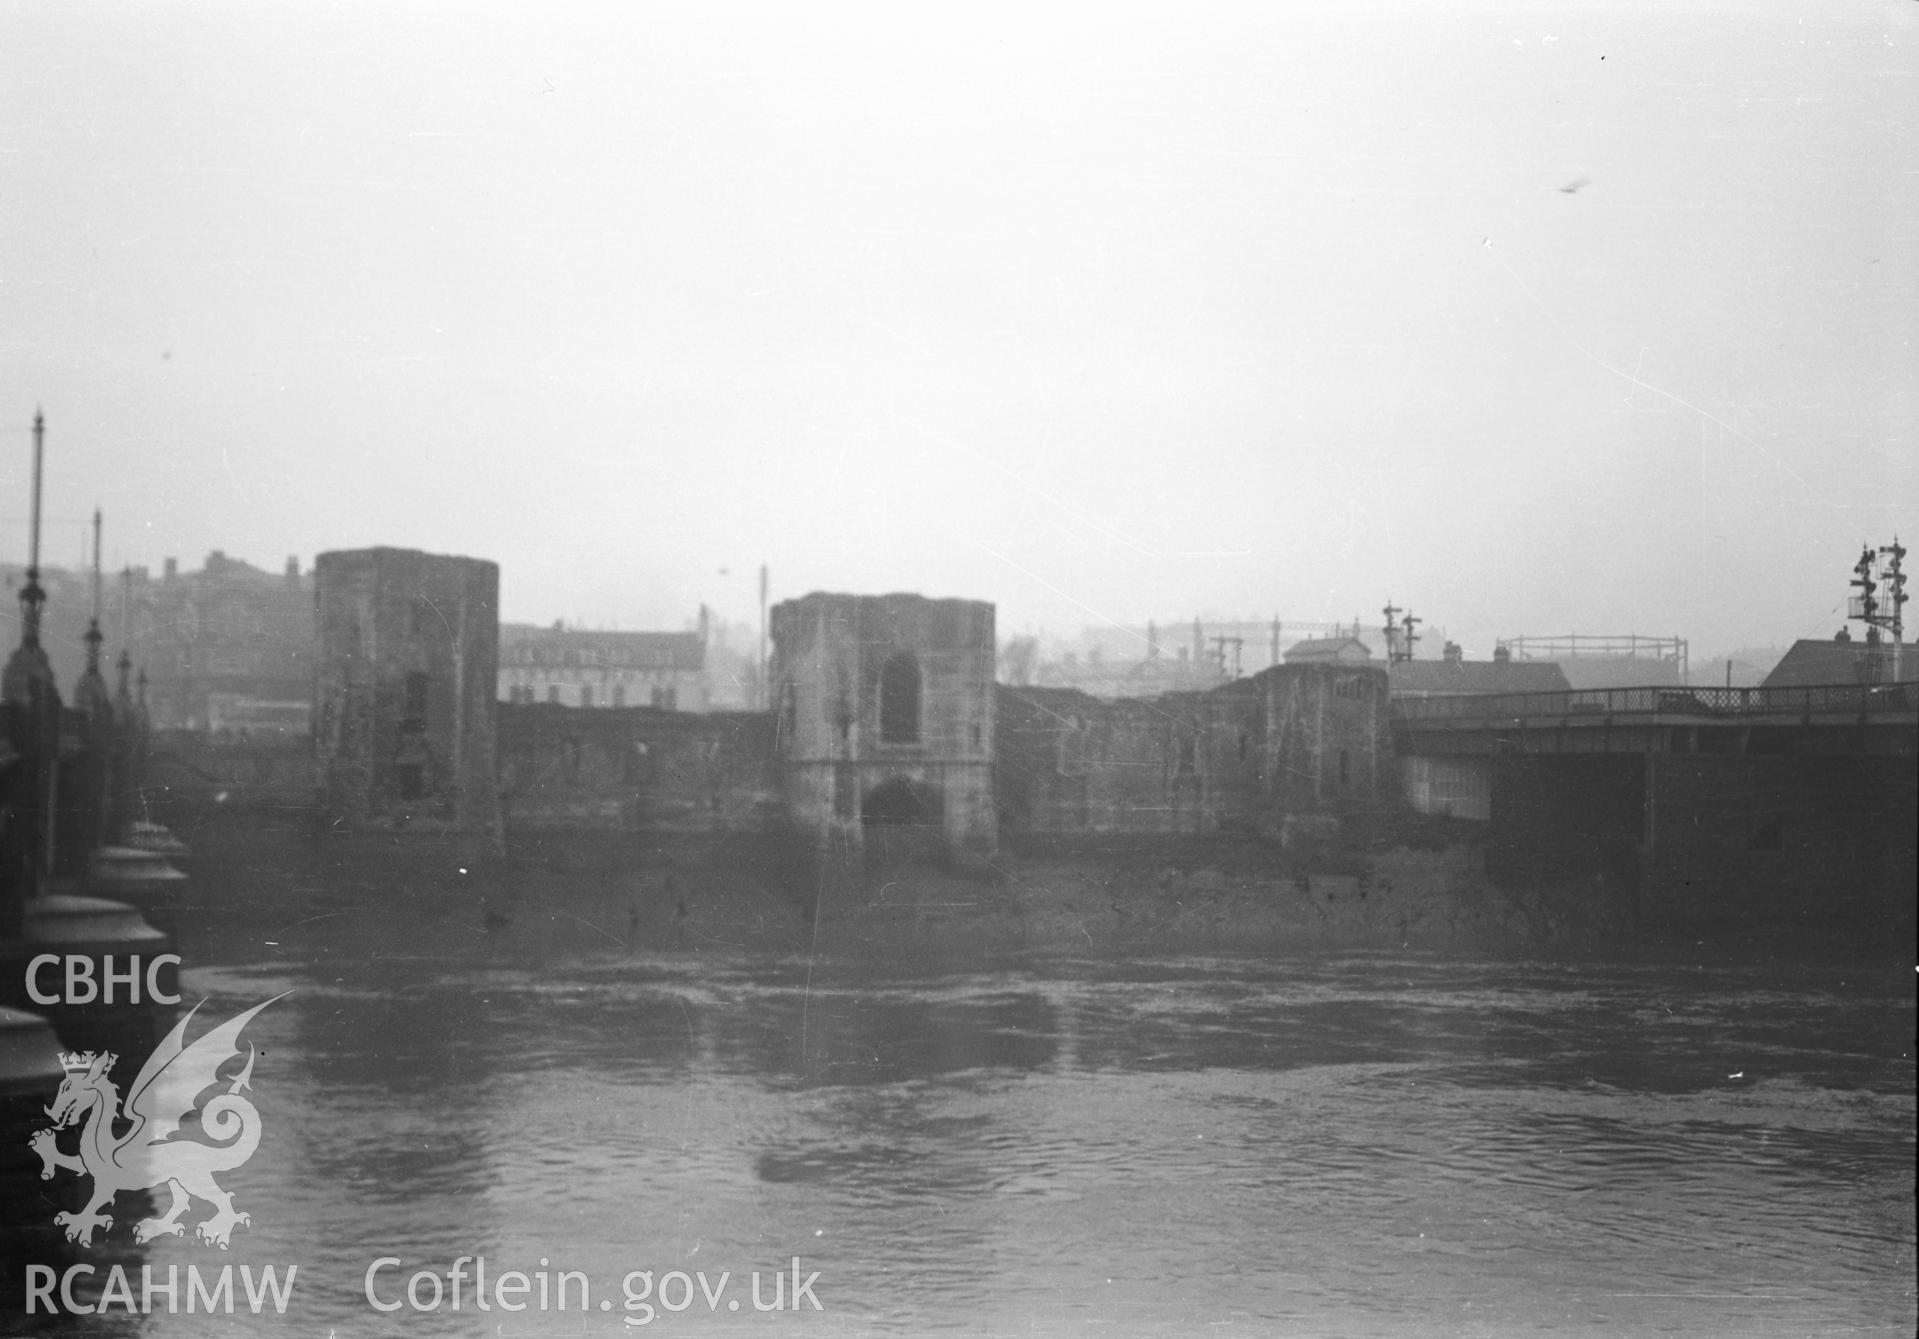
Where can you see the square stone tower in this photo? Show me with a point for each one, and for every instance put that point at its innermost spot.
(884, 711)
(404, 711)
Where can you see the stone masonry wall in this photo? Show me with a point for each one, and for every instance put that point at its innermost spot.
(404, 719)
(637, 769)
(885, 714)
(1291, 749)
(1776, 839)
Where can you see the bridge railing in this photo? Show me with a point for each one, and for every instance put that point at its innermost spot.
(1663, 701)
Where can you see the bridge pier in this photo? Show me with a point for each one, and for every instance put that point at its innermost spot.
(1649, 824)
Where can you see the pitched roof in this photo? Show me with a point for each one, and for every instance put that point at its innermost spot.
(1438, 678)
(1811, 663)
(1327, 648)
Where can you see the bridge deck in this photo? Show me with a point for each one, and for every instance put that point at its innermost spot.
(1635, 719)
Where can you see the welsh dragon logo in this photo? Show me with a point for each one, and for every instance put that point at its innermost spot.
(154, 1151)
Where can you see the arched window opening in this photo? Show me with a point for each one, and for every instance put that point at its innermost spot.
(900, 700)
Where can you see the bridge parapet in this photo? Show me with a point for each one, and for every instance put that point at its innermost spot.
(1892, 703)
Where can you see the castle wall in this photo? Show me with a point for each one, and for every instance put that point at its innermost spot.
(637, 769)
(1328, 741)
(1071, 763)
(884, 709)
(404, 694)
(1293, 746)
(267, 776)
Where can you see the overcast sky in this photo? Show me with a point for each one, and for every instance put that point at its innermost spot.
(1537, 318)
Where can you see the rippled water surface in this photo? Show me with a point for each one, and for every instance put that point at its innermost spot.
(1323, 1145)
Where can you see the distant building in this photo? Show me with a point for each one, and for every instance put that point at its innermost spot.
(1115, 661)
(228, 648)
(574, 667)
(1108, 679)
(1810, 664)
(1328, 651)
(1456, 676)
(404, 696)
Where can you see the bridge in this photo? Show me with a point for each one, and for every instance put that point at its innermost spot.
(1837, 718)
(1688, 804)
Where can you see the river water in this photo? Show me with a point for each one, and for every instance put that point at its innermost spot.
(1317, 1145)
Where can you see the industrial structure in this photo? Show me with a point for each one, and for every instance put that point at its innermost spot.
(1622, 660)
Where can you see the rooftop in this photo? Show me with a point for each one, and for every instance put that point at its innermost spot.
(1814, 663)
(1434, 678)
(529, 644)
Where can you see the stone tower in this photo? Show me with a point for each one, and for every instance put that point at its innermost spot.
(404, 712)
(884, 707)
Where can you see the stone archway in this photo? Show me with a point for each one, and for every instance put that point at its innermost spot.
(903, 819)
(901, 801)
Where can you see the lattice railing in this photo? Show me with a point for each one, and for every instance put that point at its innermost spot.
(1665, 701)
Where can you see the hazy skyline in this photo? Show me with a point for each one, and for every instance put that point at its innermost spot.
(1537, 321)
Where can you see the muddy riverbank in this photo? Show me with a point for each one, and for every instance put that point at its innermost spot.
(564, 890)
